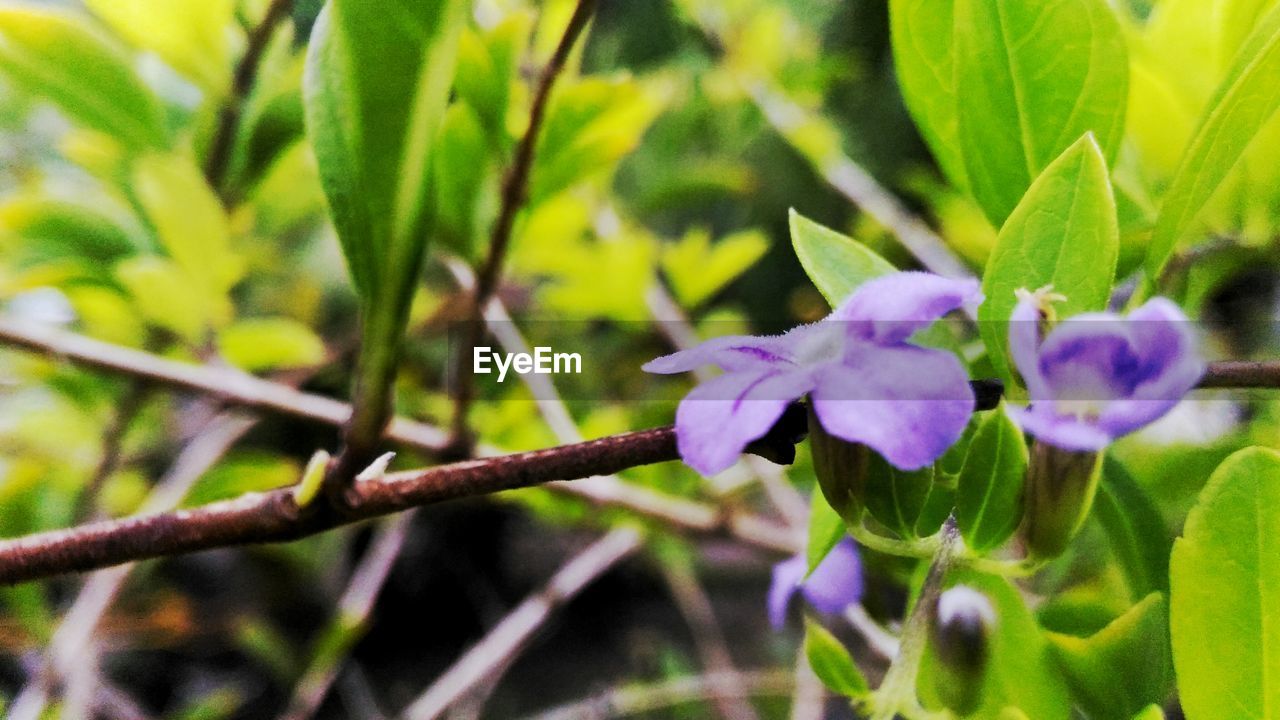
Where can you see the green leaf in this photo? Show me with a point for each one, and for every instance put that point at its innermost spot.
(189, 35)
(1122, 668)
(50, 229)
(1243, 103)
(169, 298)
(896, 498)
(1136, 532)
(1225, 593)
(989, 496)
(591, 124)
(832, 663)
(487, 68)
(465, 158)
(270, 343)
(376, 85)
(189, 219)
(1021, 674)
(698, 269)
(923, 37)
(58, 56)
(1151, 712)
(1064, 233)
(1031, 78)
(826, 528)
(938, 506)
(837, 264)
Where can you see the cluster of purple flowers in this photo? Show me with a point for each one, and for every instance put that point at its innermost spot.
(1090, 380)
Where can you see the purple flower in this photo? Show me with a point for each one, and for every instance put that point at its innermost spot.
(866, 382)
(832, 586)
(1098, 376)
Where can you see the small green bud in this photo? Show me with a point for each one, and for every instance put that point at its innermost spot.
(841, 467)
(960, 640)
(1060, 487)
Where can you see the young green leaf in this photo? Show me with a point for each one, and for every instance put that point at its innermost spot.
(1064, 233)
(1225, 592)
(1122, 668)
(826, 528)
(189, 35)
(923, 37)
(465, 158)
(374, 130)
(832, 663)
(699, 269)
(58, 56)
(989, 495)
(1034, 77)
(375, 91)
(189, 219)
(1241, 106)
(270, 343)
(836, 264)
(1136, 533)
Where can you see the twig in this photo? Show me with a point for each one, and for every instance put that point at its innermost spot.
(1242, 374)
(857, 185)
(494, 652)
(274, 516)
(126, 408)
(354, 609)
(809, 698)
(694, 604)
(633, 699)
(74, 633)
(245, 390)
(224, 135)
(897, 692)
(515, 185)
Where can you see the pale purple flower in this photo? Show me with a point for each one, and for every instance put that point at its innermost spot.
(865, 381)
(832, 586)
(1098, 376)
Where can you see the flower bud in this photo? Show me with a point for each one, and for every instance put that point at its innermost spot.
(841, 467)
(1060, 487)
(960, 640)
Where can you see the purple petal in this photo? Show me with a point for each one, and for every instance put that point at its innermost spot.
(907, 403)
(786, 580)
(1024, 346)
(717, 419)
(731, 353)
(1090, 357)
(1171, 367)
(890, 309)
(837, 581)
(1064, 431)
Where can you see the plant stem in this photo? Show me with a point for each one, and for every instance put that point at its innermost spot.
(897, 693)
(218, 157)
(513, 194)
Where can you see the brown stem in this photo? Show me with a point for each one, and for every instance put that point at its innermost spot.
(274, 516)
(515, 185)
(224, 135)
(236, 388)
(1242, 374)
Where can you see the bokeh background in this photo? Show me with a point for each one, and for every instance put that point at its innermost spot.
(677, 141)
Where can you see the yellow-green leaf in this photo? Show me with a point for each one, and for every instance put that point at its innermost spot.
(58, 56)
(270, 343)
(989, 489)
(1225, 593)
(189, 35)
(1241, 106)
(832, 663)
(1064, 233)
